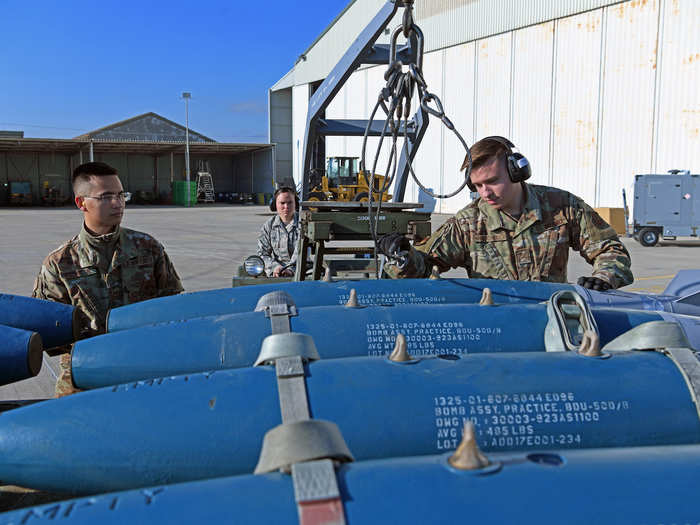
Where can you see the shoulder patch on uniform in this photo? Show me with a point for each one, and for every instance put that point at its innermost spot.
(62, 251)
(556, 198)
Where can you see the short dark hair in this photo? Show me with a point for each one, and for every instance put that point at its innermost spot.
(284, 189)
(89, 169)
(484, 151)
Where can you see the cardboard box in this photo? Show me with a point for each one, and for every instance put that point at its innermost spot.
(615, 217)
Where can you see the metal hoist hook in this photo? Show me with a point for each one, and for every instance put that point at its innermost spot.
(402, 79)
(399, 89)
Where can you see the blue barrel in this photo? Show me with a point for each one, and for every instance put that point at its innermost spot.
(233, 341)
(55, 322)
(371, 292)
(649, 485)
(20, 354)
(212, 424)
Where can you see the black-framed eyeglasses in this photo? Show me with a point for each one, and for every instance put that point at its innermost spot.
(123, 196)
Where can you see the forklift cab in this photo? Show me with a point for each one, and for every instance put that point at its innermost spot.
(341, 171)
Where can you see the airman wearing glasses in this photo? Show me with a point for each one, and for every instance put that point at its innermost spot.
(105, 265)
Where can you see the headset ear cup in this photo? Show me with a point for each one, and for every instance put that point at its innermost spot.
(516, 172)
(470, 185)
(273, 203)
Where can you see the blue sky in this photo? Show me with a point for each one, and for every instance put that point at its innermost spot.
(74, 66)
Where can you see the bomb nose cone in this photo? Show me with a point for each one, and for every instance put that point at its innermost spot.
(352, 300)
(400, 352)
(468, 456)
(435, 273)
(486, 297)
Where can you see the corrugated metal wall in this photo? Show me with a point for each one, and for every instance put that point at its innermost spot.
(428, 161)
(300, 106)
(627, 120)
(135, 171)
(33, 168)
(138, 172)
(531, 98)
(459, 100)
(170, 171)
(280, 128)
(677, 137)
(22, 168)
(452, 22)
(591, 99)
(575, 104)
(493, 72)
(373, 82)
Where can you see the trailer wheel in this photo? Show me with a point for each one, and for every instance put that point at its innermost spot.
(648, 237)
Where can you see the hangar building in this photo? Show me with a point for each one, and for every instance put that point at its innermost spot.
(147, 150)
(591, 91)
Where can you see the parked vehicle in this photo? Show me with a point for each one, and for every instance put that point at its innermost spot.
(666, 206)
(343, 181)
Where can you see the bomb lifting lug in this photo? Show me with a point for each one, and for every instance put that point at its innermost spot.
(278, 307)
(571, 326)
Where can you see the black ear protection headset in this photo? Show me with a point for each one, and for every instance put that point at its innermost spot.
(283, 189)
(517, 165)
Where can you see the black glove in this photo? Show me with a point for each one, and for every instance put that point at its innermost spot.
(392, 243)
(593, 283)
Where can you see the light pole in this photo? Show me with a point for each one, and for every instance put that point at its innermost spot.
(187, 96)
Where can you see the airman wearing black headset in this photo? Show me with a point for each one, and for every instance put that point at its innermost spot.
(514, 230)
(278, 236)
(278, 192)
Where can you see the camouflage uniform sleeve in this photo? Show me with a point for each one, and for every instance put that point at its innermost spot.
(166, 277)
(49, 286)
(446, 248)
(600, 246)
(64, 381)
(265, 248)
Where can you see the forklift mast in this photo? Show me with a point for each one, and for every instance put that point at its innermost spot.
(363, 51)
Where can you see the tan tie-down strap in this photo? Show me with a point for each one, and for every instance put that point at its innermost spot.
(306, 447)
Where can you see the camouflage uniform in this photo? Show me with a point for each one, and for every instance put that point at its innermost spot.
(96, 273)
(277, 243)
(492, 245)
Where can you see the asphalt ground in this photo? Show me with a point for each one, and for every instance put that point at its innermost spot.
(207, 243)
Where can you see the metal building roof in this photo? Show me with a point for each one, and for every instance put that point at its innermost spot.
(39, 145)
(147, 124)
(286, 81)
(445, 23)
(139, 134)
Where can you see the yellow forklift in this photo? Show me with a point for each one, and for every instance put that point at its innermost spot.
(343, 182)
